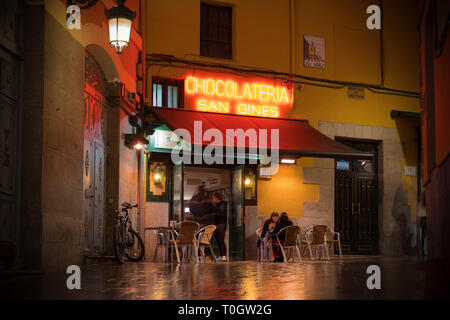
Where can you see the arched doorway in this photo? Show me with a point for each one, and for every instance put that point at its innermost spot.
(94, 156)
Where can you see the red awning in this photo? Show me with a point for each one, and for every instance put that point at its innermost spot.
(296, 137)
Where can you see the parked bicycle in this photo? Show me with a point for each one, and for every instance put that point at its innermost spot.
(127, 242)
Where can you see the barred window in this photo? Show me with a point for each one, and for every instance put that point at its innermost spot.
(216, 31)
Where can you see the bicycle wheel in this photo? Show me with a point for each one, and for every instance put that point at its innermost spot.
(119, 243)
(135, 247)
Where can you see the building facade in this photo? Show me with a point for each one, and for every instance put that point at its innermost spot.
(344, 79)
(435, 66)
(65, 167)
(67, 99)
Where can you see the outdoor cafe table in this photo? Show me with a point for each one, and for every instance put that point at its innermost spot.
(165, 240)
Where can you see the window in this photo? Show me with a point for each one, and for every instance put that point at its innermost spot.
(215, 31)
(167, 93)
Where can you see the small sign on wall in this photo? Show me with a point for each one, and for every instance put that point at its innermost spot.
(410, 171)
(169, 140)
(355, 93)
(314, 52)
(343, 165)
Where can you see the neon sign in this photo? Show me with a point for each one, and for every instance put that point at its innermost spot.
(231, 96)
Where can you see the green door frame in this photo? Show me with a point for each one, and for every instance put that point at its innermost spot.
(237, 233)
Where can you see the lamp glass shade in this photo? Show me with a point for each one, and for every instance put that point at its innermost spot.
(119, 32)
(158, 174)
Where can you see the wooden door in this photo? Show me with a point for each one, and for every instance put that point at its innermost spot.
(94, 159)
(9, 143)
(356, 202)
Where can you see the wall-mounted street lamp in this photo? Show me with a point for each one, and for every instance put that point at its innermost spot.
(120, 20)
(135, 141)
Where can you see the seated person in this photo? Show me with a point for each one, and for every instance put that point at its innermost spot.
(282, 223)
(268, 227)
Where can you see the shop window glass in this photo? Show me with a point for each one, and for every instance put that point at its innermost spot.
(157, 95)
(167, 93)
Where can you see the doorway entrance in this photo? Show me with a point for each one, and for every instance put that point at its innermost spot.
(227, 180)
(93, 157)
(356, 200)
(10, 133)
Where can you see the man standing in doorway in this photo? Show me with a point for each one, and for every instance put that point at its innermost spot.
(200, 207)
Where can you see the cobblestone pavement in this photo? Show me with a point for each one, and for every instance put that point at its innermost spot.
(401, 278)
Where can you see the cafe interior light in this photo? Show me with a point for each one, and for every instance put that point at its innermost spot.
(120, 19)
(288, 161)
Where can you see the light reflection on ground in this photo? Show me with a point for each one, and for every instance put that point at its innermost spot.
(401, 279)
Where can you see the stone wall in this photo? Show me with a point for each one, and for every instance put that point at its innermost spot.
(62, 148)
(33, 96)
(156, 215)
(52, 221)
(395, 225)
(393, 211)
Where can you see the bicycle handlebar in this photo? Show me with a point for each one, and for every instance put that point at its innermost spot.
(126, 206)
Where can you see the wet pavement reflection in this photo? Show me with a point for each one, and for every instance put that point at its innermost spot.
(401, 278)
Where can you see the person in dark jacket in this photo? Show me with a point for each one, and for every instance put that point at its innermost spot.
(200, 207)
(282, 223)
(268, 226)
(221, 221)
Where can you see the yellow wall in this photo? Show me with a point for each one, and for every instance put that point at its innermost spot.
(262, 40)
(285, 191)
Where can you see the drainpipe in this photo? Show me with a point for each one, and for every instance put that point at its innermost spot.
(142, 32)
(380, 3)
(138, 218)
(292, 40)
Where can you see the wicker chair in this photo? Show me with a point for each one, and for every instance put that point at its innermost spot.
(202, 240)
(320, 236)
(291, 241)
(185, 237)
(315, 237)
(161, 236)
(265, 246)
(260, 249)
(334, 238)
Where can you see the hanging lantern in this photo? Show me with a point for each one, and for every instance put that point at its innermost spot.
(249, 180)
(120, 20)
